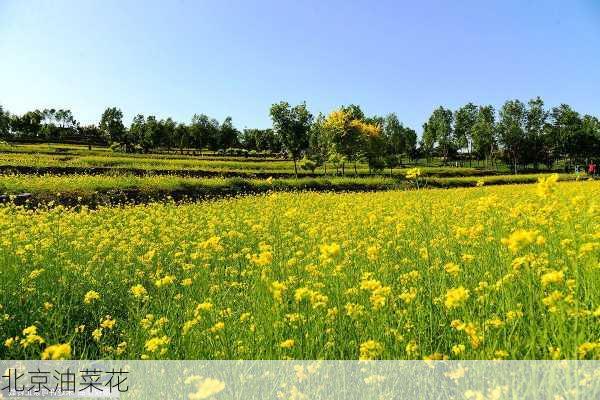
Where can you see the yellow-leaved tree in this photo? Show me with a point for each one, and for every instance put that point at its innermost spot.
(352, 136)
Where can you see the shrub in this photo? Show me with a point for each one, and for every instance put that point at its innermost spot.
(308, 165)
(116, 147)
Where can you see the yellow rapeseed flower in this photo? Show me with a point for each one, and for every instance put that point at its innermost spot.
(413, 173)
(552, 277)
(138, 291)
(370, 350)
(108, 322)
(57, 352)
(456, 297)
(519, 239)
(164, 281)
(97, 334)
(156, 343)
(452, 268)
(91, 296)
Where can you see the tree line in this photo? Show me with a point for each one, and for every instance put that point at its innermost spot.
(519, 134)
(145, 133)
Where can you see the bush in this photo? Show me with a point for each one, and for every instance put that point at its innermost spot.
(116, 147)
(308, 165)
(377, 164)
(234, 151)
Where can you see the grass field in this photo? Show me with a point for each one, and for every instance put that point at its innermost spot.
(73, 189)
(71, 174)
(80, 159)
(477, 273)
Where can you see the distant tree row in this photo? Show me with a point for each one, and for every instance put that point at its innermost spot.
(148, 133)
(519, 134)
(144, 134)
(49, 123)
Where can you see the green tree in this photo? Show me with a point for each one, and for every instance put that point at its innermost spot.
(111, 126)
(484, 133)
(291, 124)
(198, 130)
(152, 134)
(566, 126)
(354, 112)
(410, 142)
(588, 140)
(90, 134)
(438, 130)
(319, 142)
(205, 132)
(182, 136)
(4, 122)
(228, 134)
(427, 143)
(534, 132)
(167, 133)
(28, 124)
(464, 121)
(511, 129)
(65, 120)
(137, 131)
(49, 129)
(260, 140)
(395, 136)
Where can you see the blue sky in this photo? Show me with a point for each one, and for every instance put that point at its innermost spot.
(238, 57)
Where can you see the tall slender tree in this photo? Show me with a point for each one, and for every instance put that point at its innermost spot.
(511, 128)
(438, 130)
(319, 142)
(534, 131)
(182, 136)
(484, 133)
(291, 124)
(228, 134)
(394, 133)
(566, 126)
(4, 122)
(464, 121)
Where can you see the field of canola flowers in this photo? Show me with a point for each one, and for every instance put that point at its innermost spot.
(507, 272)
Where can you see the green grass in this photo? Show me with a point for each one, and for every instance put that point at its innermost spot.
(240, 166)
(94, 189)
(79, 157)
